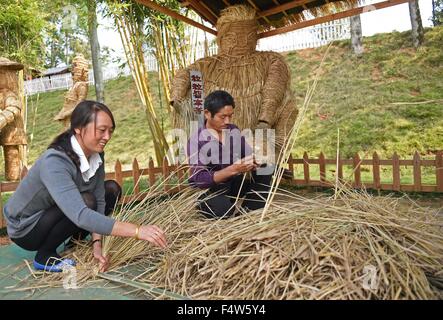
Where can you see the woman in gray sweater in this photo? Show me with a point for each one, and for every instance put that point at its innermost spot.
(64, 194)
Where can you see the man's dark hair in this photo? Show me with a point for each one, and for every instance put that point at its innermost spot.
(217, 100)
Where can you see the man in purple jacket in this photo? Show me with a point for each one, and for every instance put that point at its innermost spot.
(220, 157)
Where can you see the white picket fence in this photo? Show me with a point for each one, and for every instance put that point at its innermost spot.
(64, 81)
(310, 37)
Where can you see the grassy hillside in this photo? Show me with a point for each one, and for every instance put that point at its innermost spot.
(131, 138)
(360, 96)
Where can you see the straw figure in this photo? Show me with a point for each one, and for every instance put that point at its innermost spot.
(78, 92)
(258, 81)
(12, 132)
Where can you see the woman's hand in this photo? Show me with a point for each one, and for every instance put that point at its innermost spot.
(149, 233)
(103, 262)
(153, 234)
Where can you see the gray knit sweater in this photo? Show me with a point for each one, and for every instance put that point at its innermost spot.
(55, 180)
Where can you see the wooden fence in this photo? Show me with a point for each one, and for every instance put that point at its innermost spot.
(154, 174)
(356, 163)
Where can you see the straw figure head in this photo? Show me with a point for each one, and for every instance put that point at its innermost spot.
(237, 31)
(8, 74)
(80, 68)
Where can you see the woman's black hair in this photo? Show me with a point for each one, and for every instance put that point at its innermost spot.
(217, 100)
(84, 113)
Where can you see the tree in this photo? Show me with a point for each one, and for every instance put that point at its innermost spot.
(356, 35)
(417, 27)
(95, 50)
(66, 32)
(21, 26)
(437, 12)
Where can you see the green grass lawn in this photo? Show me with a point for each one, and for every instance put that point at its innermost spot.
(131, 139)
(358, 95)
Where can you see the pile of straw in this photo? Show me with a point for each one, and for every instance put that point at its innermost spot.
(306, 248)
(318, 248)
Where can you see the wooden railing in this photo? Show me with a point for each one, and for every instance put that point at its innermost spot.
(376, 163)
(154, 174)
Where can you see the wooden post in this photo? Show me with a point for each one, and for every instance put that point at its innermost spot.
(151, 172)
(118, 173)
(322, 164)
(291, 167)
(166, 174)
(376, 170)
(340, 169)
(326, 18)
(357, 173)
(2, 219)
(306, 168)
(417, 171)
(153, 5)
(180, 176)
(396, 172)
(136, 176)
(439, 170)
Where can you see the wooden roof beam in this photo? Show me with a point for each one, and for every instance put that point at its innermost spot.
(175, 15)
(252, 4)
(203, 11)
(209, 9)
(335, 16)
(278, 4)
(282, 7)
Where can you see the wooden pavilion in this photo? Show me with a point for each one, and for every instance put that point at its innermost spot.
(275, 16)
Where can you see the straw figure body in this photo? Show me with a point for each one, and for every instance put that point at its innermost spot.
(78, 92)
(12, 132)
(258, 81)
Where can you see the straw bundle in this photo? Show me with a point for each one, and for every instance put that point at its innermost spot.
(236, 13)
(317, 248)
(308, 249)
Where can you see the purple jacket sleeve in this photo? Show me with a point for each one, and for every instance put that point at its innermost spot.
(200, 175)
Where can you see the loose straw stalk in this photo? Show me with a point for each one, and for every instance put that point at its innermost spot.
(290, 140)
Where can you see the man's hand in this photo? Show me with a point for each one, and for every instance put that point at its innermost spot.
(244, 165)
(240, 166)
